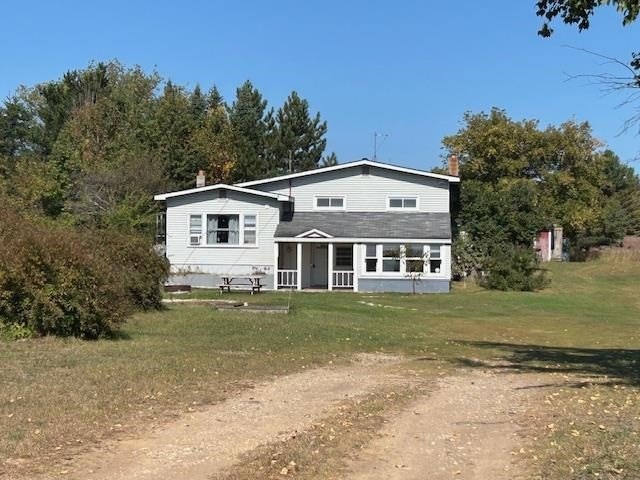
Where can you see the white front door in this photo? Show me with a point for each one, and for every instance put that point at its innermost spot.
(319, 265)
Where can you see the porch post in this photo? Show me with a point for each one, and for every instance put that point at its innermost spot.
(330, 266)
(276, 253)
(299, 265)
(356, 266)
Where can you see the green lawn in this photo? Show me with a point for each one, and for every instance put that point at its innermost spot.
(60, 393)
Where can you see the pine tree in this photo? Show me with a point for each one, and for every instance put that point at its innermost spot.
(198, 103)
(175, 122)
(247, 118)
(330, 160)
(15, 122)
(214, 99)
(295, 140)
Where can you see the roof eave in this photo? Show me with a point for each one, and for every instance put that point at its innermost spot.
(357, 163)
(220, 186)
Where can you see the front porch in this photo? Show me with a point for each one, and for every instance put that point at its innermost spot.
(318, 265)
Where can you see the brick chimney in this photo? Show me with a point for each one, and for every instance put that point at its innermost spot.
(453, 165)
(200, 179)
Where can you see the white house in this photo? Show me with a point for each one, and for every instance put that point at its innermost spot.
(362, 226)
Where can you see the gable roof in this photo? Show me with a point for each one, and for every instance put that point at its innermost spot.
(357, 163)
(314, 233)
(222, 186)
(367, 225)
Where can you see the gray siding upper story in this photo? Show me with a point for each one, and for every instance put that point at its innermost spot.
(363, 192)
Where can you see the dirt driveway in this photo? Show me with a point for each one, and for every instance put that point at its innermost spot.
(466, 428)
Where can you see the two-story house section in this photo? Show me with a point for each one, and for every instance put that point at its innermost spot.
(361, 226)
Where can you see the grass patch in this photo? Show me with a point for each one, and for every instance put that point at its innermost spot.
(592, 431)
(61, 394)
(320, 452)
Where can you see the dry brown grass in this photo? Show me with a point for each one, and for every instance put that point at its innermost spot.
(621, 255)
(321, 451)
(586, 432)
(631, 242)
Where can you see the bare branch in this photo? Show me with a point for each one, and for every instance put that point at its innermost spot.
(614, 83)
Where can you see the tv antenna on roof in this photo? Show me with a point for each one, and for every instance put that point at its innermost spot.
(376, 136)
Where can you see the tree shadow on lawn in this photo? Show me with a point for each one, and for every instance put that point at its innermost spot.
(617, 364)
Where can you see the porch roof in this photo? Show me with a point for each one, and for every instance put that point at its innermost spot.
(368, 225)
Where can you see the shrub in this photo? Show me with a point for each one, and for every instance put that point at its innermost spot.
(143, 269)
(60, 281)
(468, 258)
(514, 268)
(13, 331)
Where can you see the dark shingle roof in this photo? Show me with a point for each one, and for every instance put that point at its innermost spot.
(368, 224)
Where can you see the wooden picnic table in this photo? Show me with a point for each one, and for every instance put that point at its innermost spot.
(250, 283)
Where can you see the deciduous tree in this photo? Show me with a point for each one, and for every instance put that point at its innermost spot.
(519, 178)
(579, 13)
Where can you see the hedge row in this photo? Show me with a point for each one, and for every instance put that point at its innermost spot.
(58, 280)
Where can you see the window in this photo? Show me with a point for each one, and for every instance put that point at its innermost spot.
(391, 258)
(195, 229)
(336, 203)
(371, 258)
(344, 256)
(435, 259)
(402, 260)
(223, 229)
(161, 228)
(403, 202)
(249, 230)
(414, 258)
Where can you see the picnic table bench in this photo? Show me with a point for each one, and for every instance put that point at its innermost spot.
(249, 283)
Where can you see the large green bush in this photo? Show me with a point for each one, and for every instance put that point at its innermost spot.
(514, 268)
(468, 258)
(142, 270)
(57, 280)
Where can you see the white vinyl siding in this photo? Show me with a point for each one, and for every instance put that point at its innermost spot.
(363, 193)
(264, 213)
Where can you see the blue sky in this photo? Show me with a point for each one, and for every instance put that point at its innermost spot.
(409, 69)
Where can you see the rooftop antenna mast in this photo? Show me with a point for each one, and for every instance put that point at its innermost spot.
(376, 136)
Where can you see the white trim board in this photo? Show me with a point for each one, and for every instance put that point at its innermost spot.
(357, 163)
(314, 233)
(222, 186)
(443, 241)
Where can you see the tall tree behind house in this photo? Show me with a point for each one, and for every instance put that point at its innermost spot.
(295, 140)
